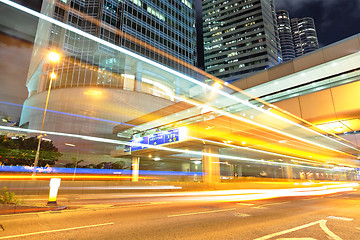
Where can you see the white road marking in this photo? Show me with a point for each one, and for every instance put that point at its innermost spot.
(246, 204)
(288, 231)
(314, 198)
(194, 213)
(241, 215)
(322, 225)
(296, 239)
(57, 230)
(269, 204)
(328, 232)
(341, 218)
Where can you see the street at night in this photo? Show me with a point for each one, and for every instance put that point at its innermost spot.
(130, 216)
(180, 119)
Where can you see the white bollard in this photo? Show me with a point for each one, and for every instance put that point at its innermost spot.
(54, 187)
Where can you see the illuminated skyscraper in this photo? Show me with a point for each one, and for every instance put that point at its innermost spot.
(159, 30)
(240, 37)
(285, 35)
(304, 35)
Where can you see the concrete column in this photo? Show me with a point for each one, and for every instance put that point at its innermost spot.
(135, 162)
(211, 165)
(177, 88)
(185, 167)
(43, 77)
(138, 77)
(239, 170)
(42, 82)
(289, 170)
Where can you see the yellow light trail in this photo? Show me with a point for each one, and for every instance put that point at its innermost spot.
(183, 76)
(198, 153)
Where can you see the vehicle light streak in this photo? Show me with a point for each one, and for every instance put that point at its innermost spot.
(68, 114)
(198, 153)
(71, 177)
(250, 149)
(185, 77)
(242, 119)
(257, 194)
(81, 171)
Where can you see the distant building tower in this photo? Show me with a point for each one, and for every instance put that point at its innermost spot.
(285, 35)
(240, 37)
(304, 35)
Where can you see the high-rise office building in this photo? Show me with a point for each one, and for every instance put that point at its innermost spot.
(240, 37)
(159, 30)
(146, 27)
(285, 35)
(304, 35)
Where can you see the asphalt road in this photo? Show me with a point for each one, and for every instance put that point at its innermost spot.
(183, 217)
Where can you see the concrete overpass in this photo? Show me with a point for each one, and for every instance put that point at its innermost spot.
(316, 94)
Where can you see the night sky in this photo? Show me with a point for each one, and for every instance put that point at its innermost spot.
(334, 19)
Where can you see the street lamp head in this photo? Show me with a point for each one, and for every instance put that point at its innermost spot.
(53, 75)
(54, 57)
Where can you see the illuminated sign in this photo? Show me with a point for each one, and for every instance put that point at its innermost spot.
(174, 135)
(135, 143)
(157, 139)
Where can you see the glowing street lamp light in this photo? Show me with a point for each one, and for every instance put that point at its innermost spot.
(52, 76)
(54, 58)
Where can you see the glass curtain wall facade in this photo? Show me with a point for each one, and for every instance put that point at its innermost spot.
(240, 37)
(304, 35)
(153, 29)
(285, 35)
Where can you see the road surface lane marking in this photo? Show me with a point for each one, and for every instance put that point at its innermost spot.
(296, 238)
(328, 232)
(241, 215)
(194, 213)
(269, 204)
(57, 230)
(340, 218)
(289, 230)
(140, 205)
(314, 198)
(322, 225)
(246, 204)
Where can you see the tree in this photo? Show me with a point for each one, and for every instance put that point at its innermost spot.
(102, 165)
(21, 151)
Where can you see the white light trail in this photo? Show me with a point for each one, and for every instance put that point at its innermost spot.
(118, 142)
(183, 76)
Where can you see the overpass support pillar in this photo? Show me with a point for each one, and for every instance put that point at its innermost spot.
(210, 165)
(138, 77)
(289, 170)
(135, 162)
(177, 88)
(238, 171)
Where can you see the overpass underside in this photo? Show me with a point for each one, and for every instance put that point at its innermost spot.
(300, 116)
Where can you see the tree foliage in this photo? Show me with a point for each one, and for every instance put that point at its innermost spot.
(21, 151)
(102, 165)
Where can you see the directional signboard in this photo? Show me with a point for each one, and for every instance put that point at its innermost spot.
(171, 136)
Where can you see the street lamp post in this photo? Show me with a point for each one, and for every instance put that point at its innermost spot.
(53, 57)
